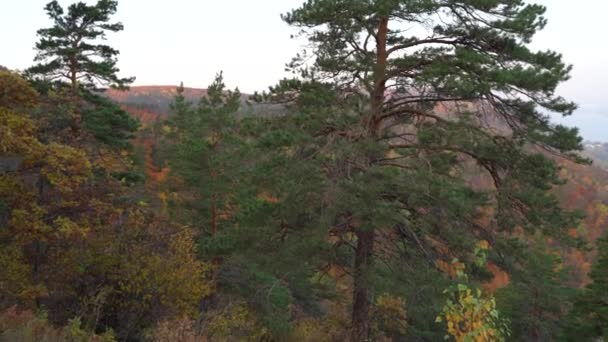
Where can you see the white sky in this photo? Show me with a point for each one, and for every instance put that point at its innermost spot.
(165, 42)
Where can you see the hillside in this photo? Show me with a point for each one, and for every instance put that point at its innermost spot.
(586, 190)
(147, 102)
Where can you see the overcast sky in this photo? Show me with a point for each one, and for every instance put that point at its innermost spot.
(165, 42)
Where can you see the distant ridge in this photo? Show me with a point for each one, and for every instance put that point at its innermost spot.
(157, 99)
(598, 151)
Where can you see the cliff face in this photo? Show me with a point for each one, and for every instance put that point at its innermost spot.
(598, 152)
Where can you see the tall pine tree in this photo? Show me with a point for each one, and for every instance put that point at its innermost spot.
(70, 49)
(73, 67)
(419, 95)
(204, 142)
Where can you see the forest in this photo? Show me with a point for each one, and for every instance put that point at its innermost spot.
(403, 185)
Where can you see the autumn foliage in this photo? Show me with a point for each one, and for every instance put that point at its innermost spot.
(73, 242)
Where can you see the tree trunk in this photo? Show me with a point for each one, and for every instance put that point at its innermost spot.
(74, 74)
(214, 199)
(379, 76)
(365, 238)
(74, 65)
(361, 286)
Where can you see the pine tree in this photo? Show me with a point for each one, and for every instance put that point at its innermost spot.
(227, 192)
(537, 298)
(73, 67)
(68, 51)
(392, 120)
(204, 142)
(107, 122)
(588, 319)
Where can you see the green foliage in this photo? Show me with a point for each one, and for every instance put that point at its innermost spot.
(16, 325)
(537, 297)
(223, 191)
(269, 297)
(400, 121)
(588, 318)
(107, 122)
(203, 152)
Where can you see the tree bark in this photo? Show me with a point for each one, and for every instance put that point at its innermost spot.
(379, 76)
(365, 238)
(74, 66)
(361, 286)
